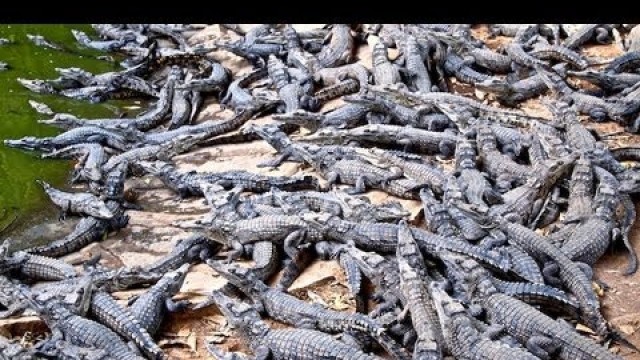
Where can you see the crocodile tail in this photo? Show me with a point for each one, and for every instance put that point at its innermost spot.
(632, 266)
(617, 337)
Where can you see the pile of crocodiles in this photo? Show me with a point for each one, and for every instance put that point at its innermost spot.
(516, 208)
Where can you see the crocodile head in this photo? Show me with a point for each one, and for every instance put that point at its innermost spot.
(124, 278)
(37, 86)
(29, 143)
(75, 73)
(494, 85)
(240, 315)
(243, 278)
(173, 280)
(390, 211)
(62, 119)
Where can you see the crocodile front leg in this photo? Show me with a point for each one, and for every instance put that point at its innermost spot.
(263, 353)
(292, 242)
(176, 306)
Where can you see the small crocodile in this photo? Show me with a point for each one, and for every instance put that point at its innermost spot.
(281, 344)
(79, 203)
(150, 307)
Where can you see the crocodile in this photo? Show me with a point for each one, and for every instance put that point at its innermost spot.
(488, 59)
(81, 331)
(524, 89)
(108, 312)
(85, 134)
(190, 183)
(424, 141)
(592, 236)
(88, 230)
(625, 218)
(145, 121)
(256, 53)
(560, 53)
(384, 72)
(417, 72)
(584, 34)
(91, 157)
(40, 40)
(473, 183)
(290, 310)
(348, 115)
(216, 81)
(281, 344)
(523, 202)
(291, 92)
(384, 111)
(196, 247)
(164, 151)
(626, 62)
(340, 49)
(351, 171)
(456, 66)
(468, 228)
(180, 108)
(504, 170)
(296, 56)
(462, 337)
(335, 91)
(116, 80)
(291, 231)
(101, 45)
(382, 237)
(237, 94)
(541, 334)
(436, 215)
(149, 308)
(80, 203)
(571, 275)
(597, 108)
(414, 283)
(423, 173)
(609, 82)
(64, 350)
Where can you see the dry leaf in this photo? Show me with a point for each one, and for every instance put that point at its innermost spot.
(584, 329)
(340, 303)
(191, 342)
(316, 298)
(173, 342)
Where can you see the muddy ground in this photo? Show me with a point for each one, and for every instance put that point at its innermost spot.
(152, 231)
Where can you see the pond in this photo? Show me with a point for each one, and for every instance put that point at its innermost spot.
(22, 201)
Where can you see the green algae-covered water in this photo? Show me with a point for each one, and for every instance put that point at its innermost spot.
(22, 201)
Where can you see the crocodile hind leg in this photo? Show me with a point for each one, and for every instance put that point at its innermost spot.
(542, 346)
(360, 187)
(550, 274)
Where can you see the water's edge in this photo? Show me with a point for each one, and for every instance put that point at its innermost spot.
(25, 211)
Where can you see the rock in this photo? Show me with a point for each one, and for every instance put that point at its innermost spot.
(319, 272)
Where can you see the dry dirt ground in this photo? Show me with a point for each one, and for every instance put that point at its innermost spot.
(152, 231)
